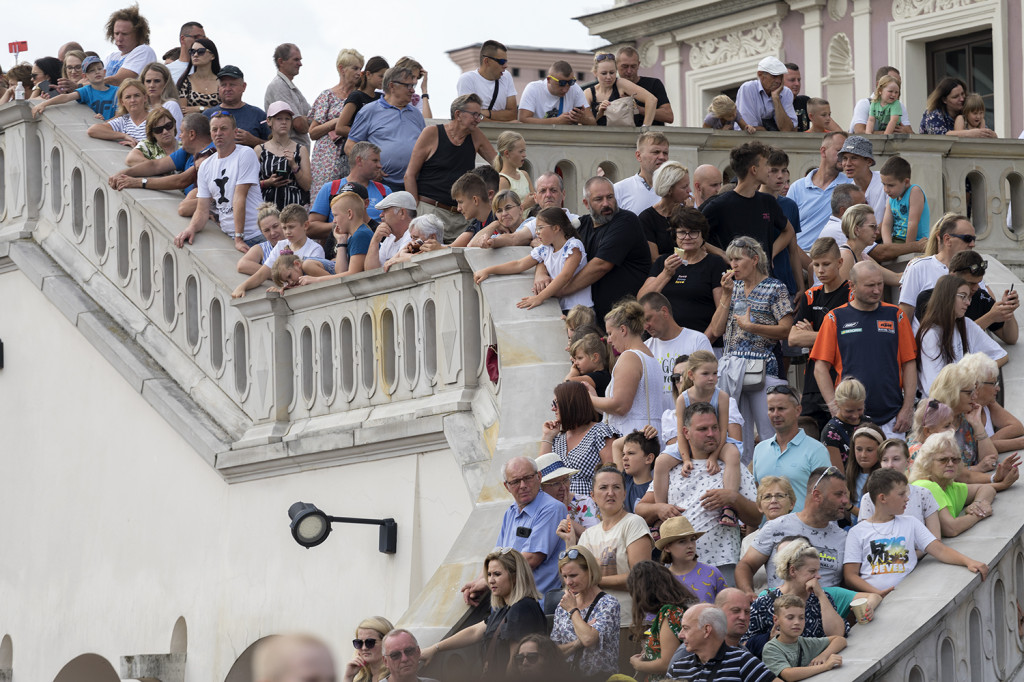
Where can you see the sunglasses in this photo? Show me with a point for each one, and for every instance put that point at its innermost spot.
(781, 388)
(364, 643)
(562, 82)
(604, 57)
(502, 62)
(675, 378)
(975, 268)
(569, 554)
(408, 652)
(164, 128)
(831, 471)
(965, 238)
(531, 658)
(198, 51)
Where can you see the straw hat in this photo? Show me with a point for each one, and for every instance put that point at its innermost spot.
(676, 528)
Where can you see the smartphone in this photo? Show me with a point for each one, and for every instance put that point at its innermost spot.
(47, 89)
(281, 173)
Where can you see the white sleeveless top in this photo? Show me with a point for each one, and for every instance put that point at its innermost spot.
(649, 402)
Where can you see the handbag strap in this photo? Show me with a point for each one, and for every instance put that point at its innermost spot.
(494, 95)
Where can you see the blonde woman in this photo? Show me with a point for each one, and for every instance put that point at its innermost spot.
(672, 184)
(128, 127)
(161, 91)
(609, 88)
(328, 157)
(368, 663)
(961, 505)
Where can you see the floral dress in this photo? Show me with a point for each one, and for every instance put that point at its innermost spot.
(601, 659)
(936, 122)
(651, 645)
(328, 158)
(768, 303)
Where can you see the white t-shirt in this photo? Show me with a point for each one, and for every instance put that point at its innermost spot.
(391, 245)
(554, 261)
(217, 179)
(136, 60)
(886, 552)
(920, 274)
(863, 109)
(667, 350)
(543, 104)
(920, 505)
(610, 549)
(876, 196)
(931, 357)
(634, 194)
(177, 67)
(670, 424)
(472, 81)
(310, 249)
(531, 223)
(830, 542)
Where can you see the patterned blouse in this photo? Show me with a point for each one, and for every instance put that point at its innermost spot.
(837, 434)
(936, 122)
(603, 658)
(584, 511)
(763, 608)
(769, 303)
(328, 158)
(651, 646)
(194, 98)
(586, 456)
(967, 440)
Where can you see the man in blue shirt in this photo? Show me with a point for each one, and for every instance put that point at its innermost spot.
(529, 526)
(196, 145)
(765, 102)
(364, 167)
(392, 124)
(251, 122)
(813, 192)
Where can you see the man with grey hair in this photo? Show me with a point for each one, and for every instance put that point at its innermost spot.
(396, 212)
(705, 654)
(765, 102)
(529, 525)
(443, 153)
(707, 181)
(391, 123)
(618, 258)
(288, 60)
(364, 167)
(402, 657)
(285, 658)
(636, 193)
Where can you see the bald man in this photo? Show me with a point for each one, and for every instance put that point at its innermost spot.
(735, 603)
(707, 181)
(292, 658)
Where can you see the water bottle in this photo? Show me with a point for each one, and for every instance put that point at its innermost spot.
(19, 91)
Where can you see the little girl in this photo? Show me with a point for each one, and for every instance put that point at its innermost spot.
(562, 254)
(850, 397)
(699, 380)
(864, 443)
(886, 110)
(921, 503)
(722, 115)
(678, 545)
(268, 217)
(509, 164)
(294, 221)
(930, 417)
(590, 362)
(973, 115)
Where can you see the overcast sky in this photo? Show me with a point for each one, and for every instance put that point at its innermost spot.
(246, 38)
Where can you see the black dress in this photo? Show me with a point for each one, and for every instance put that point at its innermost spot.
(506, 626)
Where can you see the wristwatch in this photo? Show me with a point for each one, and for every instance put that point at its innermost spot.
(145, 181)
(574, 611)
(239, 235)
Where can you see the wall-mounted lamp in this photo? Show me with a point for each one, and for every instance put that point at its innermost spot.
(310, 527)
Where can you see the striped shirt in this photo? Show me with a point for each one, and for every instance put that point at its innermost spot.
(124, 124)
(729, 664)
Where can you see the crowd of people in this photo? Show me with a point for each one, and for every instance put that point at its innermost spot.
(751, 448)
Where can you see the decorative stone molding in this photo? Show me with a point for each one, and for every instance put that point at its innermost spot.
(649, 53)
(905, 9)
(837, 9)
(744, 42)
(840, 58)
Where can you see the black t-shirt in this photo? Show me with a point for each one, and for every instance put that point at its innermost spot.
(814, 305)
(510, 624)
(690, 291)
(620, 242)
(360, 99)
(981, 303)
(601, 378)
(732, 215)
(803, 121)
(656, 88)
(656, 230)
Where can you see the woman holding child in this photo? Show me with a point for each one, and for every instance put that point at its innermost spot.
(945, 103)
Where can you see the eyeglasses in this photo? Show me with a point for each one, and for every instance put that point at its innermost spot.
(687, 234)
(70, 67)
(516, 482)
(963, 297)
(965, 238)
(569, 554)
(475, 114)
(364, 643)
(969, 391)
(990, 383)
(160, 129)
(198, 51)
(831, 471)
(562, 83)
(781, 388)
(947, 460)
(502, 62)
(604, 57)
(410, 86)
(775, 496)
(408, 652)
(531, 658)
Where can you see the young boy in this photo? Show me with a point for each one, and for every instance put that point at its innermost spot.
(814, 305)
(881, 550)
(792, 656)
(294, 221)
(636, 452)
(470, 195)
(97, 95)
(352, 236)
(906, 211)
(819, 111)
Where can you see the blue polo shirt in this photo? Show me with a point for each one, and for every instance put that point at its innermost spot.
(538, 521)
(815, 206)
(802, 456)
(392, 129)
(183, 161)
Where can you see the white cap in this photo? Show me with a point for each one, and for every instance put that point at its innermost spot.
(772, 65)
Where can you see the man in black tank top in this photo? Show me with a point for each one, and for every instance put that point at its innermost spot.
(443, 153)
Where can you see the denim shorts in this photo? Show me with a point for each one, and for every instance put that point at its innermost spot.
(328, 264)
